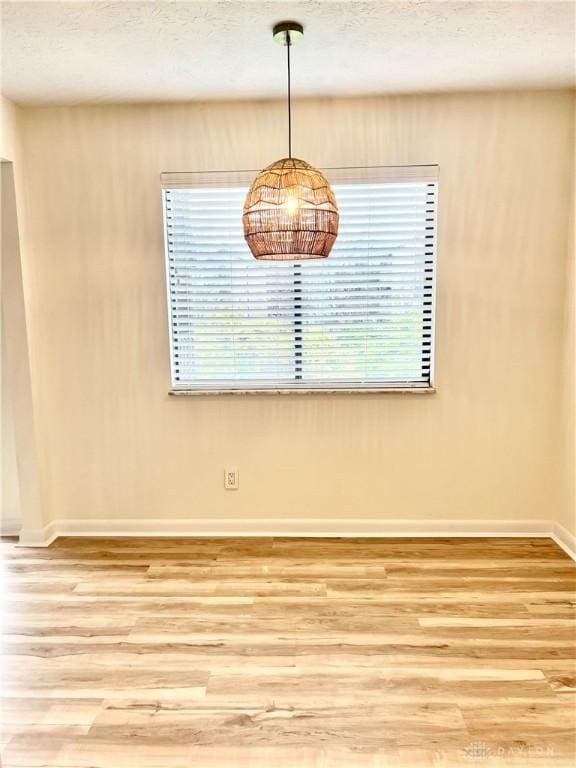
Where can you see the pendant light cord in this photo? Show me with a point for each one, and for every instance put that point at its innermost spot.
(289, 102)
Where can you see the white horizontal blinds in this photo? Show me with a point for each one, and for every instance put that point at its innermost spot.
(367, 310)
(361, 318)
(231, 316)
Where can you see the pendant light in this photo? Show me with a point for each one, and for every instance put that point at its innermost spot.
(290, 212)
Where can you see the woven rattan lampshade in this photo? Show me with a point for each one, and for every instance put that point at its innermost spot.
(290, 213)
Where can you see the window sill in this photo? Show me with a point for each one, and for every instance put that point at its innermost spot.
(311, 391)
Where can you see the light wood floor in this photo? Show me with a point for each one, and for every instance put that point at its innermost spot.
(288, 653)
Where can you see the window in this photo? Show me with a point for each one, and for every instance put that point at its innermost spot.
(361, 319)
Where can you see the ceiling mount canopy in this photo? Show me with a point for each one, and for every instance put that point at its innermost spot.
(290, 212)
(287, 33)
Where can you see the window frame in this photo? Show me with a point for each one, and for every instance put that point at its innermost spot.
(416, 173)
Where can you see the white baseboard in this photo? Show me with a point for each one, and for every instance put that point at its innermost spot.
(10, 526)
(301, 527)
(564, 539)
(40, 537)
(316, 527)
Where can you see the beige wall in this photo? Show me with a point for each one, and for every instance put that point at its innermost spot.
(9, 491)
(567, 515)
(21, 496)
(8, 128)
(10, 496)
(113, 444)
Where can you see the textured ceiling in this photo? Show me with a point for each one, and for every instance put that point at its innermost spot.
(67, 53)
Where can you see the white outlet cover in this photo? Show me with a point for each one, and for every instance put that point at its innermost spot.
(231, 479)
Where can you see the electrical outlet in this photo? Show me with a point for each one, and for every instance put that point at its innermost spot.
(231, 479)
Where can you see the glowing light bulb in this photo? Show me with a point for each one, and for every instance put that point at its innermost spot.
(291, 205)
